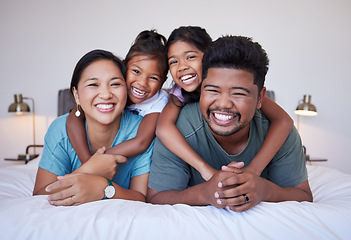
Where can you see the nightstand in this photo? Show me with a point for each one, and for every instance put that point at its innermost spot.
(316, 160)
(26, 157)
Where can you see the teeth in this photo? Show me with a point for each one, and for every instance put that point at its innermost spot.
(138, 92)
(187, 78)
(104, 106)
(223, 117)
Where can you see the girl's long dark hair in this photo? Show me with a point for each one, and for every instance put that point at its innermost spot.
(197, 37)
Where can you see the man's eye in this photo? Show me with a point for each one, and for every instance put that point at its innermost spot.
(212, 91)
(239, 94)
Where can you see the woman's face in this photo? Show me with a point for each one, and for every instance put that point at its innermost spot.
(185, 65)
(143, 78)
(101, 92)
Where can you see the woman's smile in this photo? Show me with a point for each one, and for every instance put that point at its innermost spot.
(105, 107)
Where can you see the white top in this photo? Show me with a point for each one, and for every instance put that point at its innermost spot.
(154, 104)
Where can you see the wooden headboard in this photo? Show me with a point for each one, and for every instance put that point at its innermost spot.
(270, 94)
(65, 101)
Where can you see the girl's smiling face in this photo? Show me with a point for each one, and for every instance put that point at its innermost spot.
(185, 65)
(144, 78)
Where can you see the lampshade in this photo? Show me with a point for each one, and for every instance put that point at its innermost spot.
(19, 106)
(305, 107)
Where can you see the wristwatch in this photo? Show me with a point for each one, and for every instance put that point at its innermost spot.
(109, 190)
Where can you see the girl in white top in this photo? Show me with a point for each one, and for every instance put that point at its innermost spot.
(147, 69)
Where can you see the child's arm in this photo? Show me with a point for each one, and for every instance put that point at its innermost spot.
(76, 133)
(105, 163)
(281, 125)
(141, 142)
(132, 147)
(171, 137)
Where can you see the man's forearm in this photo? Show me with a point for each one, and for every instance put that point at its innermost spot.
(194, 196)
(298, 193)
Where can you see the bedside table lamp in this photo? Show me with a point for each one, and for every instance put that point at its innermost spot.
(19, 107)
(305, 108)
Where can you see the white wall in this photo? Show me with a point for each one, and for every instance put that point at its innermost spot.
(308, 43)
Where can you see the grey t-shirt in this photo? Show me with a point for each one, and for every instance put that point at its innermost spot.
(169, 172)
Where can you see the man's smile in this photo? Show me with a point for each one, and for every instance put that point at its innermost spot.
(223, 117)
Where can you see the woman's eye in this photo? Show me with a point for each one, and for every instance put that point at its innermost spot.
(92, 85)
(172, 62)
(116, 83)
(191, 57)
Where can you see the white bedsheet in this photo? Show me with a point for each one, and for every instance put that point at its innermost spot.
(25, 217)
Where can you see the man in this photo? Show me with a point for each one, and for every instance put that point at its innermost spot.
(226, 128)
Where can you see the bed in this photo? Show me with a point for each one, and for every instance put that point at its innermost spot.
(23, 216)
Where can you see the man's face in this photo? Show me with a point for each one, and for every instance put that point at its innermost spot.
(228, 100)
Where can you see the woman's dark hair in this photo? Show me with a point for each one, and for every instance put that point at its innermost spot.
(237, 52)
(195, 36)
(151, 44)
(91, 57)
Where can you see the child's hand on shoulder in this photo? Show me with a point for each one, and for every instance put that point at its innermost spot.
(102, 164)
(234, 167)
(252, 170)
(208, 172)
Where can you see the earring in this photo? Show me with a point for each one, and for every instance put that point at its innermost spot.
(77, 113)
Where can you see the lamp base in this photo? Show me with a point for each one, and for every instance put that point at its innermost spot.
(23, 157)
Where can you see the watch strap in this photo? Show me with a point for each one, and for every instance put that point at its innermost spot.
(109, 182)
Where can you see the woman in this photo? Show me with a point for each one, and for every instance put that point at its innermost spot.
(99, 88)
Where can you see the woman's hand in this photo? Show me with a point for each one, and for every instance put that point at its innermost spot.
(101, 164)
(79, 188)
(76, 188)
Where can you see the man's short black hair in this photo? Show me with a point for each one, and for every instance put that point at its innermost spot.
(237, 52)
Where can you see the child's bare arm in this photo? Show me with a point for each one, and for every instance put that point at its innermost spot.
(77, 135)
(141, 142)
(172, 138)
(105, 162)
(281, 125)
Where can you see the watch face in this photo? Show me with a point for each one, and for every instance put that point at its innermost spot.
(109, 191)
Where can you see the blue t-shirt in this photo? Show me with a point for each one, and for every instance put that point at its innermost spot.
(59, 157)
